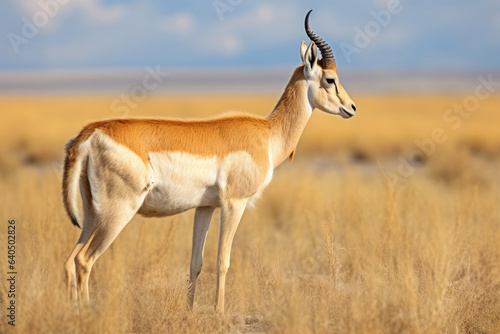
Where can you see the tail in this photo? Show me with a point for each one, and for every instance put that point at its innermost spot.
(71, 179)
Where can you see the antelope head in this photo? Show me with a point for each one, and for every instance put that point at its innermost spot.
(324, 89)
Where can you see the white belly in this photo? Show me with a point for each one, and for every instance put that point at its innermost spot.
(181, 182)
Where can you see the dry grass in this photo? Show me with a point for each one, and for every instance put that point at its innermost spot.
(332, 246)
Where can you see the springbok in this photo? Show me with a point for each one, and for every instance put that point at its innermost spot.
(159, 167)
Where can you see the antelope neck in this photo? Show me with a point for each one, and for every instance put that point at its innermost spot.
(289, 118)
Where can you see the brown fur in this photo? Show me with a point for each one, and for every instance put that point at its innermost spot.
(217, 137)
(212, 137)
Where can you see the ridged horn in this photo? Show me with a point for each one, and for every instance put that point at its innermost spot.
(326, 51)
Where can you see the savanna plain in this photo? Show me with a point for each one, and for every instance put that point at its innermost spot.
(375, 227)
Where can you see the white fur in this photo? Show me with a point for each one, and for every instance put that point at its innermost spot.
(74, 179)
(181, 182)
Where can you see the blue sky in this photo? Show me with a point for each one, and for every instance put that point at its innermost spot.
(431, 35)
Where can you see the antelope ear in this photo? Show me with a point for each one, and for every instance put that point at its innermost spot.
(311, 58)
(303, 49)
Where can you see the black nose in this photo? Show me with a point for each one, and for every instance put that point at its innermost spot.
(353, 107)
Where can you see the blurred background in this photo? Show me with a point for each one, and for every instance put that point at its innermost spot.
(104, 46)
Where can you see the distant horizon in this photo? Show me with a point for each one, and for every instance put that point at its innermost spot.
(250, 80)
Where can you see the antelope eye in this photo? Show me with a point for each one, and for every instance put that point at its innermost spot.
(330, 81)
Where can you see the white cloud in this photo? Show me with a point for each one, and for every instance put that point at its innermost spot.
(231, 45)
(183, 23)
(265, 13)
(100, 13)
(90, 9)
(381, 3)
(258, 25)
(100, 32)
(28, 7)
(263, 25)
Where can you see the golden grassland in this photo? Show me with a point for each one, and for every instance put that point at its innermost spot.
(333, 245)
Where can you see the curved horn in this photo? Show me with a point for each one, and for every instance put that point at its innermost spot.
(326, 51)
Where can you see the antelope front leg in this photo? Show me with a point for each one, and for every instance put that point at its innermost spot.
(202, 218)
(231, 213)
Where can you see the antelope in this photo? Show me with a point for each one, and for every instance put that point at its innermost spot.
(162, 167)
